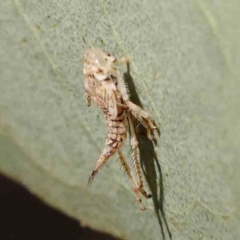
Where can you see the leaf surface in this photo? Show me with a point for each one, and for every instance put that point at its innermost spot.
(185, 59)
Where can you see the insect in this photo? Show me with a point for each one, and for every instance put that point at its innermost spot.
(105, 86)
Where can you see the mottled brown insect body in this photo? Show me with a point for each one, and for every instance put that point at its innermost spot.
(105, 86)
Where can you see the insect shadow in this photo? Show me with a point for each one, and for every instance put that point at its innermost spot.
(149, 162)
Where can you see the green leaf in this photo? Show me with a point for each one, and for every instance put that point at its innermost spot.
(185, 59)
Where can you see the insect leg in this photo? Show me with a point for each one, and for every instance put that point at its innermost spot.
(123, 88)
(138, 112)
(129, 173)
(123, 60)
(88, 99)
(107, 152)
(136, 160)
(143, 117)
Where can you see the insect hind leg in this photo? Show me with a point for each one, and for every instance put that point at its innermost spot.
(129, 173)
(136, 160)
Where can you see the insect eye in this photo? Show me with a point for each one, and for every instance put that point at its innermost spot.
(109, 54)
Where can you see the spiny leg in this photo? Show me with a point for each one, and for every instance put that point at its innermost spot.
(137, 112)
(147, 122)
(143, 117)
(129, 173)
(107, 152)
(136, 160)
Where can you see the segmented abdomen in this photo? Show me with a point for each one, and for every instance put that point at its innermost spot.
(109, 100)
(117, 129)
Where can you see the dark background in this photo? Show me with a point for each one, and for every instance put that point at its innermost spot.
(24, 216)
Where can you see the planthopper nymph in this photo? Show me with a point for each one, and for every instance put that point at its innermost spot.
(106, 87)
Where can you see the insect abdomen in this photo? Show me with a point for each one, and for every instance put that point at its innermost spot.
(117, 129)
